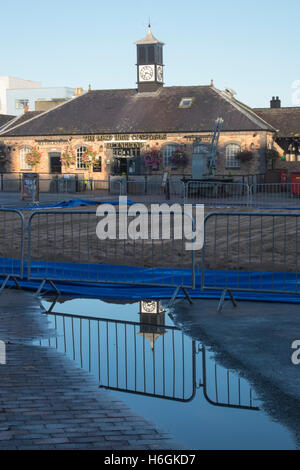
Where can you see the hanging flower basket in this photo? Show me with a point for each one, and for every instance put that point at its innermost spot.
(179, 158)
(33, 158)
(152, 159)
(245, 155)
(68, 157)
(89, 158)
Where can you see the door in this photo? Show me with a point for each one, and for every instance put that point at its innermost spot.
(125, 160)
(55, 162)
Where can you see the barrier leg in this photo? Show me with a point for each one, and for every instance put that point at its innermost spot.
(6, 281)
(43, 284)
(222, 299)
(41, 287)
(171, 303)
(49, 310)
(4, 284)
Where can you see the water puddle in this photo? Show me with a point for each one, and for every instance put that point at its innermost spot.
(135, 351)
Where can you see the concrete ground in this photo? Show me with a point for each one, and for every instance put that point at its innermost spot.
(254, 338)
(12, 200)
(261, 200)
(47, 402)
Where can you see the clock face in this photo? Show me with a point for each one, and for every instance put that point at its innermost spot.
(159, 73)
(148, 306)
(146, 73)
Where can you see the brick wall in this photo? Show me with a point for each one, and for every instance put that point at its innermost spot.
(256, 140)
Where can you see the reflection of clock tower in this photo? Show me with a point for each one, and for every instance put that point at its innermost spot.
(149, 63)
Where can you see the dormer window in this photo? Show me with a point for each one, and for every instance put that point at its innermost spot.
(186, 102)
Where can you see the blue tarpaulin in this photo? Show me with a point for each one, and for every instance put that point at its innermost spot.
(87, 280)
(72, 203)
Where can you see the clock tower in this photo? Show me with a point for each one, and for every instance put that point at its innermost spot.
(149, 63)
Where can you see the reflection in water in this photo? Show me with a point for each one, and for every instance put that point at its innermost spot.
(148, 357)
(168, 377)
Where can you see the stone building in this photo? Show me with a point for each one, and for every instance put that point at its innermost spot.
(105, 133)
(286, 121)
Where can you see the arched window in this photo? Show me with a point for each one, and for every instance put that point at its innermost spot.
(23, 164)
(167, 153)
(79, 152)
(230, 156)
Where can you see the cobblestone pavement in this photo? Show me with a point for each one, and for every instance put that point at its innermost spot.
(47, 402)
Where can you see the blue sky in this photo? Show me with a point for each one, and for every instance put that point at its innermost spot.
(252, 47)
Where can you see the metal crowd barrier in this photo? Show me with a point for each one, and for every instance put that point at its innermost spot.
(64, 246)
(220, 193)
(56, 189)
(150, 190)
(216, 193)
(12, 185)
(275, 194)
(79, 188)
(11, 245)
(251, 252)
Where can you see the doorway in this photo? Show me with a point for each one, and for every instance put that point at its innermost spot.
(126, 160)
(55, 162)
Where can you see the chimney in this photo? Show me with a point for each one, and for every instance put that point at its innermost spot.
(275, 102)
(78, 92)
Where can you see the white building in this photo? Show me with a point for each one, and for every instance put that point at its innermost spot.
(18, 98)
(9, 83)
(17, 94)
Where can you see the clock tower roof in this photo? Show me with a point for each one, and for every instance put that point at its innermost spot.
(149, 39)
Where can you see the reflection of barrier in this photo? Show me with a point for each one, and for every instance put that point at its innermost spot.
(125, 357)
(12, 245)
(64, 246)
(214, 193)
(143, 359)
(251, 252)
(224, 388)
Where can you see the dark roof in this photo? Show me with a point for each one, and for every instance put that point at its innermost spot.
(4, 118)
(127, 111)
(285, 120)
(21, 119)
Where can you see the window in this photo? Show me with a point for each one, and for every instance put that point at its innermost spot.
(20, 104)
(186, 102)
(79, 152)
(167, 153)
(230, 156)
(23, 153)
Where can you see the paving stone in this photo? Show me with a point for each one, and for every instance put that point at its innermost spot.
(43, 394)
